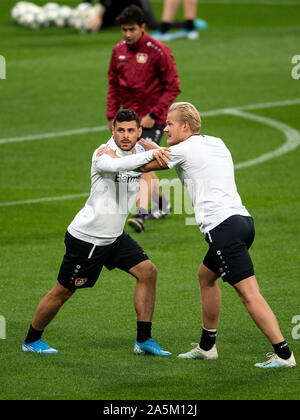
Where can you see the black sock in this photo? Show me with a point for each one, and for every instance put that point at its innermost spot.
(189, 25)
(165, 27)
(208, 339)
(282, 350)
(33, 335)
(143, 331)
(163, 204)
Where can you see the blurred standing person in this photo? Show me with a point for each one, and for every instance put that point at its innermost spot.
(114, 7)
(142, 76)
(190, 25)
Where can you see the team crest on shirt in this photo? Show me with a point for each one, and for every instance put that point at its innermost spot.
(80, 282)
(142, 58)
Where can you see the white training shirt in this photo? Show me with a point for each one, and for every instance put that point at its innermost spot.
(204, 165)
(114, 186)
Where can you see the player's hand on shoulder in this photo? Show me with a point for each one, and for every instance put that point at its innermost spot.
(162, 155)
(108, 151)
(147, 144)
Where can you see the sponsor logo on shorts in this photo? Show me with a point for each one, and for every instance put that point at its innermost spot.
(80, 282)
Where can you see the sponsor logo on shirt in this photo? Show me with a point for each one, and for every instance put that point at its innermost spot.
(122, 59)
(142, 58)
(127, 178)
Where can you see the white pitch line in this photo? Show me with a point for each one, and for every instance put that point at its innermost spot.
(54, 135)
(42, 200)
(87, 130)
(265, 105)
(252, 107)
(292, 137)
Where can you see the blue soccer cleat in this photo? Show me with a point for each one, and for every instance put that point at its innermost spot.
(38, 346)
(150, 347)
(200, 24)
(164, 36)
(184, 33)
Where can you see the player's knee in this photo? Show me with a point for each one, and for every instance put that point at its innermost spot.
(152, 271)
(67, 296)
(61, 293)
(201, 278)
(206, 278)
(144, 271)
(149, 271)
(249, 296)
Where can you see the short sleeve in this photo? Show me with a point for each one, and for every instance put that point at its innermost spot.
(177, 156)
(106, 163)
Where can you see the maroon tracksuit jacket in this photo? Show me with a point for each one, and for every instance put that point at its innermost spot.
(142, 77)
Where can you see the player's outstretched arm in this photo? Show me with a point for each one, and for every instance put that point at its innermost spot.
(107, 161)
(160, 162)
(111, 162)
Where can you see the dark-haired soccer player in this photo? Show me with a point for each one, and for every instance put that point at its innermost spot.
(95, 238)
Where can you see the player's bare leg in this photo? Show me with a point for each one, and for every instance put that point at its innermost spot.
(258, 308)
(145, 290)
(190, 9)
(149, 191)
(211, 306)
(169, 10)
(50, 305)
(45, 312)
(266, 321)
(144, 302)
(145, 191)
(210, 297)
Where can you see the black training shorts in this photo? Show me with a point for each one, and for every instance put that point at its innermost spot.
(83, 261)
(228, 254)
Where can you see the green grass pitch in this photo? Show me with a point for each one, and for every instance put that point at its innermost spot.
(56, 81)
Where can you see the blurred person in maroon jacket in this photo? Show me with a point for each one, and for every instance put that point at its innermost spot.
(142, 76)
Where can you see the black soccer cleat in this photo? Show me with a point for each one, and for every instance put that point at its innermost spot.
(164, 209)
(137, 223)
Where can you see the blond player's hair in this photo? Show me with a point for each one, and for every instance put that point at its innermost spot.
(187, 112)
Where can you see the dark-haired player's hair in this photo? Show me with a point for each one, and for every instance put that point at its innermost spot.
(131, 15)
(127, 115)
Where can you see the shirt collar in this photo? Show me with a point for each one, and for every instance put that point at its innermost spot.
(112, 144)
(140, 42)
